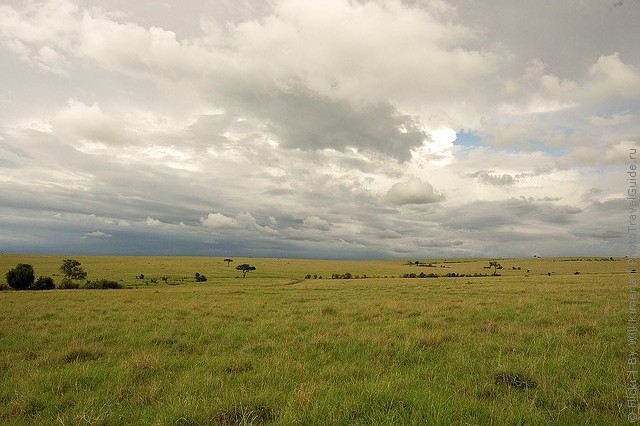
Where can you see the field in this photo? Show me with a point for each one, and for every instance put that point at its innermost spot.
(535, 345)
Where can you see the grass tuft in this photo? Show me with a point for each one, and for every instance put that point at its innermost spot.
(241, 415)
(80, 355)
(329, 310)
(238, 367)
(581, 330)
(514, 380)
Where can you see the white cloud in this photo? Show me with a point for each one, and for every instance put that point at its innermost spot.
(97, 234)
(218, 220)
(413, 191)
(149, 221)
(87, 122)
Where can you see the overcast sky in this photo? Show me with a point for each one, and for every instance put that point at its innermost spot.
(331, 129)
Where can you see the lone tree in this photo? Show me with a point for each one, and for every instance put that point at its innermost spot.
(228, 261)
(245, 267)
(72, 270)
(495, 265)
(21, 277)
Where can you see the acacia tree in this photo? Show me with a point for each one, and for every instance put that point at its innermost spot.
(495, 265)
(245, 267)
(228, 261)
(72, 270)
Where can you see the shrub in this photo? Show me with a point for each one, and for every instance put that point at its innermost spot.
(68, 283)
(44, 283)
(103, 284)
(200, 278)
(21, 277)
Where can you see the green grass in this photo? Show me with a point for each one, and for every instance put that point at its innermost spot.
(522, 348)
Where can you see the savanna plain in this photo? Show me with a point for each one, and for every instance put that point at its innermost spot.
(543, 342)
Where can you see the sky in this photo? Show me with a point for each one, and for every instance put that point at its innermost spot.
(348, 129)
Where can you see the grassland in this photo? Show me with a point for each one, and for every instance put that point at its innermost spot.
(545, 346)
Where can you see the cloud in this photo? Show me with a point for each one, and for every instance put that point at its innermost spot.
(149, 221)
(414, 191)
(314, 222)
(302, 126)
(97, 234)
(490, 177)
(218, 220)
(88, 122)
(389, 234)
(242, 221)
(516, 213)
(303, 120)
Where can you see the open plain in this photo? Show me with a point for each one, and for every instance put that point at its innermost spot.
(545, 342)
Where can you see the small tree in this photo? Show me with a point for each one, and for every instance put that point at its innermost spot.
(495, 265)
(245, 267)
(21, 277)
(228, 261)
(72, 270)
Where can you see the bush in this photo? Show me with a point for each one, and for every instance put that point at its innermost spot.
(68, 283)
(200, 278)
(21, 277)
(44, 283)
(103, 284)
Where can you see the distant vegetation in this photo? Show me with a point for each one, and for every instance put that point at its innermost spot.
(22, 278)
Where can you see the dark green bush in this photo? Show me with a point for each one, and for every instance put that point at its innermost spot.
(21, 277)
(44, 283)
(68, 283)
(103, 284)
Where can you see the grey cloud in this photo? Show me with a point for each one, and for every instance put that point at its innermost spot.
(314, 222)
(512, 25)
(619, 3)
(300, 119)
(515, 212)
(490, 177)
(389, 234)
(606, 234)
(8, 164)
